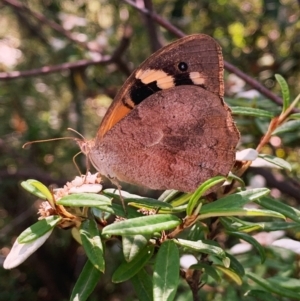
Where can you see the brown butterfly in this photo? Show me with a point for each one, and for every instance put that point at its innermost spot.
(168, 127)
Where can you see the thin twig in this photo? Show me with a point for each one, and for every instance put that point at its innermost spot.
(55, 26)
(161, 21)
(56, 68)
(106, 59)
(151, 27)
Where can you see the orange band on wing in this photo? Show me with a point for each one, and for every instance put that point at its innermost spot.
(114, 114)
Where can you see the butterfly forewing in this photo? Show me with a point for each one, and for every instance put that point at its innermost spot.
(192, 60)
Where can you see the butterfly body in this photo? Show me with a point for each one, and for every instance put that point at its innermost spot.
(168, 127)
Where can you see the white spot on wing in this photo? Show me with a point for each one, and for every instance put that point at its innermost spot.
(197, 78)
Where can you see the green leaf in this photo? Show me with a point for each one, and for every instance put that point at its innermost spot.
(200, 192)
(209, 270)
(235, 265)
(132, 245)
(20, 252)
(294, 116)
(262, 212)
(38, 229)
(276, 161)
(143, 225)
(86, 282)
(142, 284)
(261, 295)
(85, 200)
(284, 90)
(234, 201)
(168, 195)
(270, 287)
(92, 244)
(279, 207)
(166, 272)
(181, 200)
(240, 212)
(230, 273)
(147, 203)
(200, 246)
(251, 112)
(252, 241)
(115, 193)
(232, 177)
(38, 189)
(235, 224)
(286, 282)
(100, 214)
(289, 126)
(128, 269)
(177, 209)
(118, 210)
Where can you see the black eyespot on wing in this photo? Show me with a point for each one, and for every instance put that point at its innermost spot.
(140, 91)
(183, 66)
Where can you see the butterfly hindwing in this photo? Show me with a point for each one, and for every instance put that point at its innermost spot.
(175, 139)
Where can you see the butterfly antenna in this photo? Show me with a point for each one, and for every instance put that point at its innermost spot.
(47, 140)
(74, 131)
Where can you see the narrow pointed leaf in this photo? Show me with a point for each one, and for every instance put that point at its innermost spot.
(147, 203)
(166, 272)
(234, 201)
(86, 282)
(143, 225)
(236, 224)
(84, 200)
(241, 212)
(177, 209)
(168, 195)
(38, 229)
(236, 110)
(276, 289)
(276, 161)
(142, 283)
(200, 192)
(115, 193)
(235, 265)
(284, 90)
(128, 269)
(289, 126)
(261, 295)
(92, 244)
(132, 245)
(294, 116)
(202, 247)
(286, 282)
(251, 241)
(181, 200)
(279, 207)
(230, 273)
